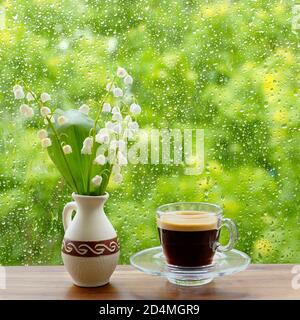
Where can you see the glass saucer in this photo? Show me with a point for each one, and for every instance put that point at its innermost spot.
(152, 261)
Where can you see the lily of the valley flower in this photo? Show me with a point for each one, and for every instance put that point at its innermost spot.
(113, 145)
(18, 92)
(135, 109)
(109, 125)
(121, 145)
(118, 144)
(133, 125)
(88, 142)
(29, 96)
(102, 136)
(128, 134)
(96, 181)
(86, 150)
(117, 116)
(121, 72)
(26, 111)
(45, 97)
(118, 92)
(128, 80)
(45, 111)
(61, 120)
(100, 160)
(117, 127)
(42, 134)
(67, 149)
(128, 118)
(46, 143)
(87, 146)
(85, 109)
(106, 107)
(110, 87)
(122, 160)
(115, 110)
(118, 178)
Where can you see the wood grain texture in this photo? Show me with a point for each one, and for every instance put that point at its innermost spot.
(257, 282)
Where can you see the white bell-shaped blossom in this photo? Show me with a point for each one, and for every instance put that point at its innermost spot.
(42, 134)
(133, 125)
(122, 145)
(102, 137)
(128, 118)
(118, 178)
(113, 145)
(85, 109)
(87, 146)
(86, 150)
(128, 80)
(18, 92)
(106, 107)
(109, 125)
(118, 92)
(122, 160)
(46, 143)
(45, 97)
(117, 117)
(117, 128)
(88, 142)
(67, 149)
(96, 181)
(135, 109)
(121, 72)
(115, 110)
(110, 87)
(128, 134)
(45, 111)
(61, 120)
(100, 160)
(29, 96)
(26, 111)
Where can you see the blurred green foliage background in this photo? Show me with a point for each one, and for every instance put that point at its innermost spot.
(228, 67)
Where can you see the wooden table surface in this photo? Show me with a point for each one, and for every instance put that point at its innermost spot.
(53, 282)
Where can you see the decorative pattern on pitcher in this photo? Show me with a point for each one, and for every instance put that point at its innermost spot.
(90, 248)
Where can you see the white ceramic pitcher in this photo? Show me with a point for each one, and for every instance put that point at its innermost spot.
(90, 249)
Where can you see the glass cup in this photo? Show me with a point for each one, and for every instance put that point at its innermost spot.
(189, 234)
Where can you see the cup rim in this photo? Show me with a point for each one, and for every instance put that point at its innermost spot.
(218, 213)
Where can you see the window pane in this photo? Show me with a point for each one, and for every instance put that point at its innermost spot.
(228, 67)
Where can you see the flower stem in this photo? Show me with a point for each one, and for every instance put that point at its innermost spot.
(57, 138)
(103, 186)
(62, 152)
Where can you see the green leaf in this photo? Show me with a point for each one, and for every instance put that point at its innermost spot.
(74, 166)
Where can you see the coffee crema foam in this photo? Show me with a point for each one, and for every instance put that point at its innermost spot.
(187, 221)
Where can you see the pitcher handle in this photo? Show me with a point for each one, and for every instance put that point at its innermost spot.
(67, 213)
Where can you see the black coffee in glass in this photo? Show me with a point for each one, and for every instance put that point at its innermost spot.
(188, 238)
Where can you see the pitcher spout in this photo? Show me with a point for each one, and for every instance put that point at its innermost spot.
(90, 202)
